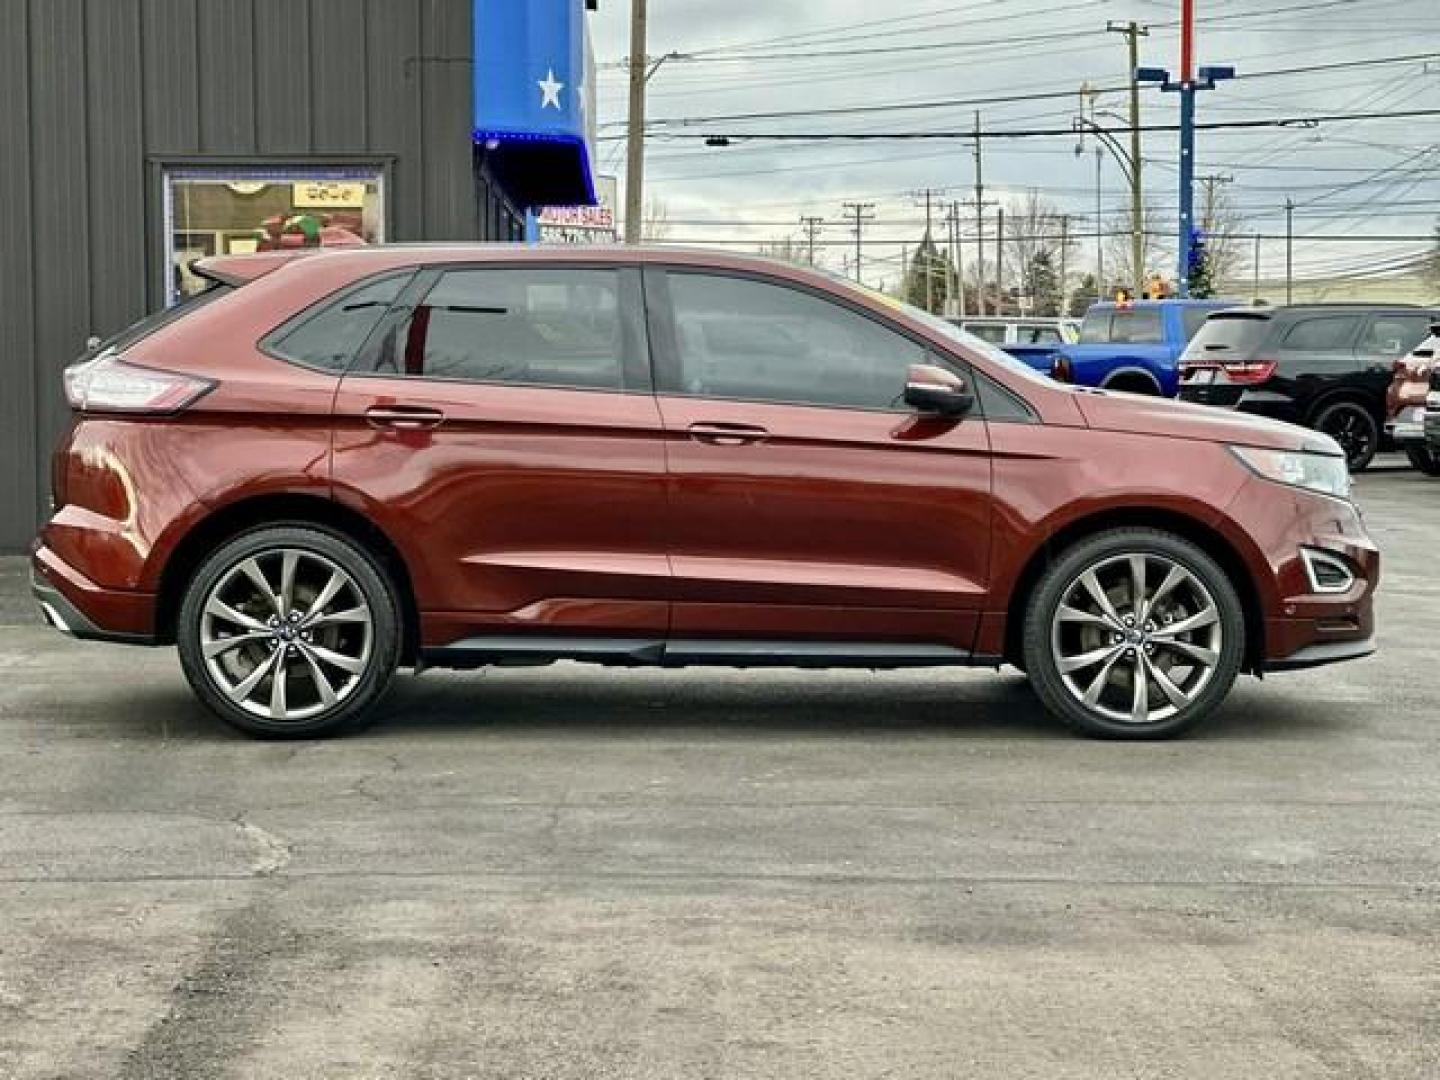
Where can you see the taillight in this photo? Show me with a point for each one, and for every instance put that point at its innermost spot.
(110, 385)
(1060, 369)
(1249, 371)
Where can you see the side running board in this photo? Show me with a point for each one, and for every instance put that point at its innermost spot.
(521, 649)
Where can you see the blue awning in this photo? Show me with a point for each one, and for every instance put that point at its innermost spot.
(534, 99)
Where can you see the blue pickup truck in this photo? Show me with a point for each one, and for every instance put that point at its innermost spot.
(1134, 347)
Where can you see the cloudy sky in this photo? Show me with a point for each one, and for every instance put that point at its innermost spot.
(1365, 192)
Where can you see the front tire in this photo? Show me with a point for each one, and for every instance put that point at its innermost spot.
(290, 632)
(1423, 458)
(1134, 634)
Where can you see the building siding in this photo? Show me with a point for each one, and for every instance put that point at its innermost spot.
(99, 93)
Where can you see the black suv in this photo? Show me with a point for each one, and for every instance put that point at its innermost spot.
(1326, 366)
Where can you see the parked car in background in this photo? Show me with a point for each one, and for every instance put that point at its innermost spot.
(1432, 415)
(1326, 366)
(484, 455)
(1133, 346)
(1032, 340)
(1405, 403)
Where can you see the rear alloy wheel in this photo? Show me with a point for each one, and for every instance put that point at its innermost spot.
(1350, 424)
(1422, 458)
(289, 632)
(1134, 633)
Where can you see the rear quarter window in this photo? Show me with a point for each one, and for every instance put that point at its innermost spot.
(328, 335)
(1325, 333)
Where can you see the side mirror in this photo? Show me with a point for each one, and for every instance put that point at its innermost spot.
(930, 389)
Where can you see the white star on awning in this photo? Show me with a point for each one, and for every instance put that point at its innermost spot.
(550, 89)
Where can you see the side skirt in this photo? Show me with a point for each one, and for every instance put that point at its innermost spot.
(522, 650)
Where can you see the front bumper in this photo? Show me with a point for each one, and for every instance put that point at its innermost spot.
(74, 605)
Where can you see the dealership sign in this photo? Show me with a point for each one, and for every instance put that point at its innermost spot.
(582, 224)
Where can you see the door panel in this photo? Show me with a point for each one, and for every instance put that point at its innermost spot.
(516, 506)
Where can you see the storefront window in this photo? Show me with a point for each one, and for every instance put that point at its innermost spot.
(242, 210)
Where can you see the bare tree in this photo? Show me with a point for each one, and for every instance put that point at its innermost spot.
(1119, 257)
(1222, 224)
(786, 249)
(655, 223)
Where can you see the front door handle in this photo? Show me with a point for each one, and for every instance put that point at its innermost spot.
(722, 434)
(403, 417)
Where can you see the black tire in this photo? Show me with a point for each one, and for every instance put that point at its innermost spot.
(1423, 458)
(1043, 628)
(1353, 426)
(368, 590)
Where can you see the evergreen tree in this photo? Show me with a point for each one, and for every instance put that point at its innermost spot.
(926, 282)
(1085, 294)
(1043, 281)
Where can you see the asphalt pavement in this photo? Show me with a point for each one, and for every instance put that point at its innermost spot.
(571, 872)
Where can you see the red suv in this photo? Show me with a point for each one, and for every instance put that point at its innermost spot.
(330, 466)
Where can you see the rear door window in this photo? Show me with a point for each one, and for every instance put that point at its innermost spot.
(1138, 326)
(1325, 333)
(1394, 334)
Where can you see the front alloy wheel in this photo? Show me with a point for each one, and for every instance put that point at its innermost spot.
(1135, 633)
(289, 631)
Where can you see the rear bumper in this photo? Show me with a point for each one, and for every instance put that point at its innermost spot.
(73, 604)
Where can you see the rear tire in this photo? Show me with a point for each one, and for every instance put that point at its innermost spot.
(1134, 633)
(1351, 425)
(1422, 458)
(290, 632)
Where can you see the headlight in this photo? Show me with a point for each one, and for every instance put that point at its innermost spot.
(1317, 472)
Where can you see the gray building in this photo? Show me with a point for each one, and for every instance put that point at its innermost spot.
(137, 135)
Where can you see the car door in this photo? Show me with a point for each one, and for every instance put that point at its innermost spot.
(500, 427)
(806, 500)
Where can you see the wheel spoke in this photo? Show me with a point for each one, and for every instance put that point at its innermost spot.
(1137, 587)
(1068, 614)
(1173, 693)
(329, 592)
(1206, 616)
(1101, 680)
(1097, 594)
(288, 562)
(242, 690)
(323, 686)
(352, 615)
(251, 569)
(353, 665)
(1198, 653)
(1140, 696)
(1172, 579)
(1070, 664)
(220, 646)
(278, 685)
(221, 610)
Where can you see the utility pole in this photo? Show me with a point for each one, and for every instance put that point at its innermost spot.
(952, 219)
(1064, 263)
(635, 138)
(861, 213)
(979, 219)
(1289, 250)
(812, 227)
(1255, 292)
(1133, 32)
(1000, 261)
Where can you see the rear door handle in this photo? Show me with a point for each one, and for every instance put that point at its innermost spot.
(403, 417)
(722, 434)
